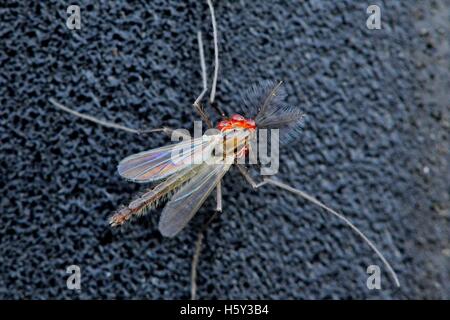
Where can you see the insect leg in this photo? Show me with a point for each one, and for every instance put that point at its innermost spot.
(107, 124)
(200, 110)
(196, 256)
(306, 196)
(340, 216)
(203, 66)
(219, 197)
(216, 63)
(197, 103)
(243, 170)
(216, 53)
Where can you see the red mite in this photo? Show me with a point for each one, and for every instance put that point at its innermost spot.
(236, 121)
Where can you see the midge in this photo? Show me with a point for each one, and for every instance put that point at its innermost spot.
(191, 182)
(174, 165)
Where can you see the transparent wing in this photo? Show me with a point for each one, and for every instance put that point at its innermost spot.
(159, 163)
(186, 201)
(140, 205)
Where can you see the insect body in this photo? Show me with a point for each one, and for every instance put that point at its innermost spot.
(236, 121)
(192, 181)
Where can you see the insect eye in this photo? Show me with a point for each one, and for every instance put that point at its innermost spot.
(237, 117)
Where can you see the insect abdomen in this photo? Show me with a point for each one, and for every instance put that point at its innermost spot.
(144, 202)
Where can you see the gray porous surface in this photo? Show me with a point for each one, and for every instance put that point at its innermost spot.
(375, 146)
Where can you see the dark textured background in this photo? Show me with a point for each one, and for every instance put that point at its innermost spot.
(375, 146)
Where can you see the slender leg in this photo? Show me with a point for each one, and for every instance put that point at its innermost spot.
(197, 103)
(201, 112)
(108, 124)
(166, 130)
(203, 66)
(219, 197)
(248, 178)
(216, 53)
(198, 107)
(216, 63)
(198, 243)
(306, 196)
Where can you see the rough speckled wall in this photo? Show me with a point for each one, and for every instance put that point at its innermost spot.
(375, 146)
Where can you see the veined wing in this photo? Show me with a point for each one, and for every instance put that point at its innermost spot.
(140, 205)
(159, 163)
(186, 201)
